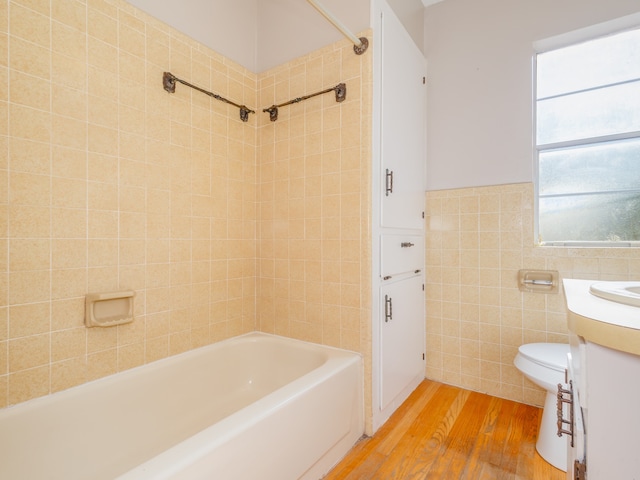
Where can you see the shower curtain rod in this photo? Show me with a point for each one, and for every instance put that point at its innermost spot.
(169, 83)
(360, 45)
(341, 94)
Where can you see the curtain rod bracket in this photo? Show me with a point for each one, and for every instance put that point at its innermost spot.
(360, 45)
(169, 82)
(360, 49)
(244, 113)
(273, 113)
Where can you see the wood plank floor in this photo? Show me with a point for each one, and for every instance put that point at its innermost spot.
(445, 433)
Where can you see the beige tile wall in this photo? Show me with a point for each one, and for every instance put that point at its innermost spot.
(109, 182)
(220, 226)
(313, 201)
(477, 240)
(314, 258)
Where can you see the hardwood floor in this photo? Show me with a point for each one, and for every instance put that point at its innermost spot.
(444, 432)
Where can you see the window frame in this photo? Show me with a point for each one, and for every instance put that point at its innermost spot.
(613, 27)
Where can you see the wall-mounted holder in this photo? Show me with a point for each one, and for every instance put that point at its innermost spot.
(539, 281)
(107, 309)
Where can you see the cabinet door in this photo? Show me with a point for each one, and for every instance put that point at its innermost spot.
(403, 134)
(401, 336)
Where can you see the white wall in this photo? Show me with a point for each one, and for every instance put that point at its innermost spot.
(227, 26)
(288, 29)
(259, 34)
(410, 14)
(479, 56)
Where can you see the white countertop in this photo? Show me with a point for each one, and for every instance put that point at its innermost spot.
(601, 321)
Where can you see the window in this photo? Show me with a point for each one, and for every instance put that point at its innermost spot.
(588, 141)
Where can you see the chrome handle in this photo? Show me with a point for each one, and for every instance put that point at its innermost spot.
(559, 405)
(388, 308)
(389, 182)
(406, 244)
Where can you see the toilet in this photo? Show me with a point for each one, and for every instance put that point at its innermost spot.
(544, 364)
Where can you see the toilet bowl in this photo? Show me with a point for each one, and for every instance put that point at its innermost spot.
(544, 364)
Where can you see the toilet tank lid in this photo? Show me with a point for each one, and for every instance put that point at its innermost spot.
(553, 355)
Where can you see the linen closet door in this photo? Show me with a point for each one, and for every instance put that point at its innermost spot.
(401, 223)
(402, 336)
(403, 117)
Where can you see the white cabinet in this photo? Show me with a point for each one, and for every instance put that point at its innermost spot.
(609, 396)
(402, 335)
(398, 219)
(605, 366)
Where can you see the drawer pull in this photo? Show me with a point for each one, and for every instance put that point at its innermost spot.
(406, 244)
(559, 404)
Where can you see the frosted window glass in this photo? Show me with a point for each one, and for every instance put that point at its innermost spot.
(588, 141)
(589, 114)
(591, 218)
(590, 64)
(591, 168)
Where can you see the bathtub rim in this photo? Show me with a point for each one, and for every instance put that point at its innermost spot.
(157, 364)
(195, 447)
(334, 356)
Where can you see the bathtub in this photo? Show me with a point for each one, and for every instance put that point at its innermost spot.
(254, 406)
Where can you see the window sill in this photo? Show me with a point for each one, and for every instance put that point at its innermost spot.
(620, 244)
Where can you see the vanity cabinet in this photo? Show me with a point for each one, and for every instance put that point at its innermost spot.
(605, 373)
(609, 401)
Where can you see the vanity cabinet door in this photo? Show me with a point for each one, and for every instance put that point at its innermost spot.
(402, 336)
(612, 418)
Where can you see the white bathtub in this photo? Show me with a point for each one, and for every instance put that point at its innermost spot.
(254, 406)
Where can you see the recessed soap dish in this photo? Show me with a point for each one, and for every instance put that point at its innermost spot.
(106, 309)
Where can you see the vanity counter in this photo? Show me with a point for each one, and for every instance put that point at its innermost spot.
(601, 321)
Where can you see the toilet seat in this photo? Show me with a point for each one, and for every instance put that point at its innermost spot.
(549, 355)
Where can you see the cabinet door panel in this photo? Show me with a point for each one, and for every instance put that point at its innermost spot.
(401, 336)
(403, 116)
